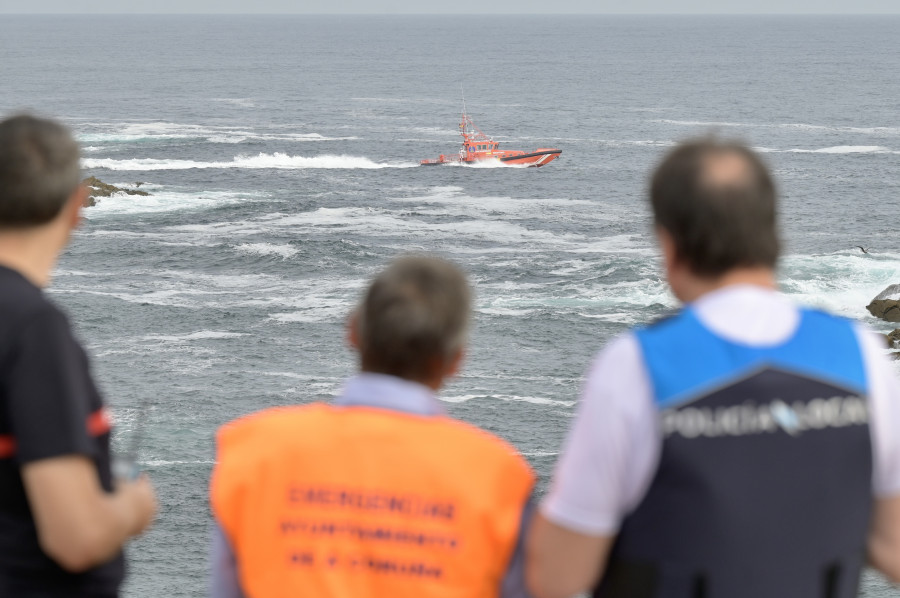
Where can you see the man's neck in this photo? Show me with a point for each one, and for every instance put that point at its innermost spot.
(32, 253)
(695, 287)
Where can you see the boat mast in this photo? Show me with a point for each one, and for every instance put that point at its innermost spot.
(467, 128)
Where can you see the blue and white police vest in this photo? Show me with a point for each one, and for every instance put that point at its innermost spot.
(763, 489)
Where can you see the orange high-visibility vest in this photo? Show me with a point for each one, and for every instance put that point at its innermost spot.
(363, 502)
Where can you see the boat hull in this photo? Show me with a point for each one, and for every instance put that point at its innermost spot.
(534, 159)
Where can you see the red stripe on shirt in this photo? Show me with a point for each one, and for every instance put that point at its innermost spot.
(7, 446)
(98, 422)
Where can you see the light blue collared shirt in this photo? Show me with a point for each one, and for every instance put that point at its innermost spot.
(389, 392)
(383, 392)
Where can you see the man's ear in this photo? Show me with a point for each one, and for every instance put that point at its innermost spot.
(667, 246)
(75, 205)
(352, 330)
(454, 364)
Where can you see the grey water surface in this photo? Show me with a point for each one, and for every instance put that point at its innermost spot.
(282, 152)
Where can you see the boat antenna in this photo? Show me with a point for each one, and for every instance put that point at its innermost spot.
(463, 95)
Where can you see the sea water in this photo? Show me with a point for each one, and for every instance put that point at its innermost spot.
(281, 156)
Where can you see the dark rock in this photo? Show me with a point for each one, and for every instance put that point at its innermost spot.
(895, 355)
(886, 309)
(887, 304)
(892, 292)
(98, 188)
(893, 339)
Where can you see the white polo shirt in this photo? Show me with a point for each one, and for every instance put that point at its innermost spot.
(611, 453)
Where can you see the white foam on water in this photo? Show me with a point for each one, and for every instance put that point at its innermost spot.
(796, 126)
(283, 251)
(619, 302)
(241, 102)
(193, 336)
(162, 463)
(216, 230)
(59, 272)
(334, 313)
(489, 164)
(504, 311)
(569, 267)
(162, 201)
(453, 201)
(376, 222)
(187, 289)
(540, 454)
(113, 133)
(844, 149)
(619, 318)
(843, 282)
(629, 244)
(167, 298)
(509, 398)
(700, 123)
(258, 281)
(276, 161)
(296, 376)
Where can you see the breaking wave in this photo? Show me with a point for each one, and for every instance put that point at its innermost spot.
(796, 126)
(845, 149)
(165, 131)
(260, 161)
(282, 251)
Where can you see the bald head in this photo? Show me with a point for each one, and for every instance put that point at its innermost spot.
(716, 200)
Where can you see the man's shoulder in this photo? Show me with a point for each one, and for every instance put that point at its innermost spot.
(19, 299)
(21, 302)
(26, 315)
(320, 426)
(668, 323)
(269, 421)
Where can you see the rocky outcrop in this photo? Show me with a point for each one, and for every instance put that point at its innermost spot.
(887, 304)
(893, 339)
(98, 188)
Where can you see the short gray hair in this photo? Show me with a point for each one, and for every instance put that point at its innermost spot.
(39, 170)
(416, 311)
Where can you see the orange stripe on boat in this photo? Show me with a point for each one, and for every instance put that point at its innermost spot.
(98, 422)
(7, 446)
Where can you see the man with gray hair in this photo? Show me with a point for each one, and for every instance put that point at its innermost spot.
(743, 447)
(380, 493)
(63, 521)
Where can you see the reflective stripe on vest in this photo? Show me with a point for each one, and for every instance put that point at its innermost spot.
(763, 487)
(357, 502)
(97, 424)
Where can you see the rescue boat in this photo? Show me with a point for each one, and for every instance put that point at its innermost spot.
(477, 147)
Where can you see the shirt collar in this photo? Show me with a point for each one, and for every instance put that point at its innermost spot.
(389, 392)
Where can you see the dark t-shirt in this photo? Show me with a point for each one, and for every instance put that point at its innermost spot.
(49, 407)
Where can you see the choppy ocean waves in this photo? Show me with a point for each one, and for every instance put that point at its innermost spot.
(531, 263)
(880, 130)
(842, 282)
(275, 161)
(136, 133)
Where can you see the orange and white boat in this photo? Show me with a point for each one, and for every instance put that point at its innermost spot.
(477, 147)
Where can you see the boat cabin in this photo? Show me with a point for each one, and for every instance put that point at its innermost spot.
(472, 146)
